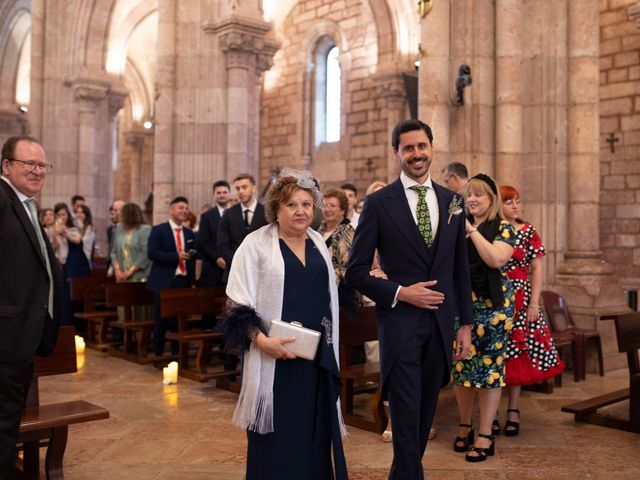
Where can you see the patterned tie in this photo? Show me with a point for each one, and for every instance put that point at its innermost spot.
(181, 264)
(33, 216)
(422, 214)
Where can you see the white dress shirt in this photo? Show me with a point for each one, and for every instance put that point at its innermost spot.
(252, 210)
(432, 205)
(431, 199)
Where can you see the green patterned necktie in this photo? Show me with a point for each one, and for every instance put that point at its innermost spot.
(422, 214)
(33, 216)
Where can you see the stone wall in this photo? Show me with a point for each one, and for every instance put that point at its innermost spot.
(363, 152)
(620, 120)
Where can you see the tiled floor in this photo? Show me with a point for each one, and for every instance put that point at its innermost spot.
(184, 432)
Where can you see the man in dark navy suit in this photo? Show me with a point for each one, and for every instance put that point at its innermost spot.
(240, 220)
(31, 286)
(418, 229)
(171, 247)
(213, 264)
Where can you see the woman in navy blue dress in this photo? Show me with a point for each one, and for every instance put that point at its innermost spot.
(288, 405)
(67, 244)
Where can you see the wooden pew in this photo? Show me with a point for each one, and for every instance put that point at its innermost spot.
(628, 335)
(91, 290)
(355, 329)
(189, 304)
(135, 333)
(48, 425)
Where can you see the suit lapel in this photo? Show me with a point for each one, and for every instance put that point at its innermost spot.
(445, 228)
(22, 215)
(398, 208)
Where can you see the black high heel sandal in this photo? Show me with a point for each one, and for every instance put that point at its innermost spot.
(482, 453)
(464, 441)
(512, 429)
(495, 427)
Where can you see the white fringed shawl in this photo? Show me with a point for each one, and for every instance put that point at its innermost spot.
(256, 279)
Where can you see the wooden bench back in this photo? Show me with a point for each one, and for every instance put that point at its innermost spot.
(63, 358)
(90, 290)
(628, 335)
(185, 302)
(128, 294)
(355, 329)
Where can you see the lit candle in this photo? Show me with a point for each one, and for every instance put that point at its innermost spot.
(80, 345)
(170, 373)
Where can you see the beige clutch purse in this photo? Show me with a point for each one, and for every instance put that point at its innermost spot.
(306, 340)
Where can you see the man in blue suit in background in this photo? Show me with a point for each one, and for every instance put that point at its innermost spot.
(171, 247)
(418, 229)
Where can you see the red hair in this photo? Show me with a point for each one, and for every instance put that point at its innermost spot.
(507, 192)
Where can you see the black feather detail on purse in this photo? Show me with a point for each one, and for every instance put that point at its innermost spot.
(240, 325)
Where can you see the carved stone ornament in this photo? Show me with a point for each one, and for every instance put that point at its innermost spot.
(389, 85)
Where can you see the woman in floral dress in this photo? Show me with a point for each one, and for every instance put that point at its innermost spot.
(490, 246)
(532, 355)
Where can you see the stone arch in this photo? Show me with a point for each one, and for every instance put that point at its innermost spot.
(15, 29)
(396, 23)
(119, 34)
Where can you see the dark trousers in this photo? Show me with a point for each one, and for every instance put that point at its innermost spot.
(413, 385)
(161, 325)
(15, 379)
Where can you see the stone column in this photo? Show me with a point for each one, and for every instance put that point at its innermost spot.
(248, 52)
(583, 254)
(509, 101)
(390, 87)
(135, 143)
(163, 161)
(435, 80)
(585, 278)
(97, 99)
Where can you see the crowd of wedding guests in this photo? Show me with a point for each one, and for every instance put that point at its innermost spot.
(510, 343)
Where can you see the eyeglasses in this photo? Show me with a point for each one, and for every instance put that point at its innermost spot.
(32, 165)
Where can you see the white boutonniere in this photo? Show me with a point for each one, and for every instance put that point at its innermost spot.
(455, 207)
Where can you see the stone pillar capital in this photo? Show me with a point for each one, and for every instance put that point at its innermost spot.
(117, 97)
(390, 86)
(11, 121)
(89, 90)
(244, 42)
(135, 139)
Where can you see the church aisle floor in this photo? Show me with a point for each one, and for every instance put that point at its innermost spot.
(183, 431)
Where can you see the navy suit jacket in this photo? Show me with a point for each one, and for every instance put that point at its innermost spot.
(208, 247)
(386, 224)
(162, 251)
(231, 231)
(26, 328)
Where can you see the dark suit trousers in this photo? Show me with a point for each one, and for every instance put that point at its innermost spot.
(161, 325)
(15, 380)
(414, 384)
